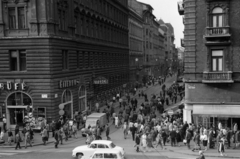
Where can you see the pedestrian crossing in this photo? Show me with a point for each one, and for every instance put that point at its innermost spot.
(11, 152)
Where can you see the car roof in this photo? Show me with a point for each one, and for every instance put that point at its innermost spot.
(101, 142)
(96, 115)
(107, 151)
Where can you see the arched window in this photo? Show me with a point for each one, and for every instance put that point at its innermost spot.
(67, 96)
(217, 17)
(17, 103)
(19, 99)
(82, 99)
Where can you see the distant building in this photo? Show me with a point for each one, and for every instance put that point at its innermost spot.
(211, 60)
(136, 54)
(151, 38)
(170, 49)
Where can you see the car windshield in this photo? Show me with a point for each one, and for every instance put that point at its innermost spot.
(112, 145)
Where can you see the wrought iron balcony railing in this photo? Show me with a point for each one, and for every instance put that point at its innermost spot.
(217, 31)
(217, 77)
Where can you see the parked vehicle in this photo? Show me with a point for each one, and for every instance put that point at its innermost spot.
(96, 119)
(107, 154)
(85, 151)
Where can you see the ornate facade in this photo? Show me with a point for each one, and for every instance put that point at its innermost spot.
(211, 40)
(56, 49)
(135, 43)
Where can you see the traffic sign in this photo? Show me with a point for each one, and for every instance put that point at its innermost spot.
(61, 106)
(61, 112)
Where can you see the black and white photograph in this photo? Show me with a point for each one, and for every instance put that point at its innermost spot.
(119, 79)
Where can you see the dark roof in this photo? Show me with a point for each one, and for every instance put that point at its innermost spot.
(146, 5)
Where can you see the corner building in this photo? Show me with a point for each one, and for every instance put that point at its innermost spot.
(211, 40)
(52, 51)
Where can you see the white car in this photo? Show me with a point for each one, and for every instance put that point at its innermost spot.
(85, 151)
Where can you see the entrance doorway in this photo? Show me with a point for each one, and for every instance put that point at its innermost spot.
(17, 116)
(67, 101)
(16, 108)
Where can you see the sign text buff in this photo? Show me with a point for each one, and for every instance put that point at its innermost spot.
(13, 86)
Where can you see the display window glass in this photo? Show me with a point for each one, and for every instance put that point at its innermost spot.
(67, 101)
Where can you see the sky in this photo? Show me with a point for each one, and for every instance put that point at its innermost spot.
(167, 10)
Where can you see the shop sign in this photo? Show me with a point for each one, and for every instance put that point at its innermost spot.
(44, 96)
(68, 83)
(13, 86)
(100, 80)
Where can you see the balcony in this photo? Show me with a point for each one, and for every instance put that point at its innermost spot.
(218, 35)
(217, 77)
(182, 42)
(181, 8)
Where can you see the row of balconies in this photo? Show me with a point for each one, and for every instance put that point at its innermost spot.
(181, 7)
(213, 36)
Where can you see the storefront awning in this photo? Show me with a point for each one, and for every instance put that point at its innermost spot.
(217, 110)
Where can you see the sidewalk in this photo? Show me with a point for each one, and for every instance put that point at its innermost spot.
(229, 153)
(36, 142)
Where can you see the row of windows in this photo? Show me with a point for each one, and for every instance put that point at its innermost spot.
(107, 9)
(84, 59)
(135, 30)
(149, 45)
(90, 27)
(135, 45)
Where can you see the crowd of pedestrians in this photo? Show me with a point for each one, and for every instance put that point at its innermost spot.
(146, 123)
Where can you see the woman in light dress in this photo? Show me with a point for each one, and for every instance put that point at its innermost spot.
(116, 121)
(144, 141)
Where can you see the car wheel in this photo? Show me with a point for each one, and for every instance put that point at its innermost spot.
(79, 156)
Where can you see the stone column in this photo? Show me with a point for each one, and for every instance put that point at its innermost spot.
(42, 12)
(1, 20)
(34, 21)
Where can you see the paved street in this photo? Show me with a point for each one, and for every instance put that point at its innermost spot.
(64, 151)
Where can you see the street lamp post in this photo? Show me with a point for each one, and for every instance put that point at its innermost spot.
(137, 67)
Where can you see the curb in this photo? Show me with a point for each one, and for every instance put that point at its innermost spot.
(37, 144)
(206, 155)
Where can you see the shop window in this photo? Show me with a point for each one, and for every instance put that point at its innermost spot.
(217, 60)
(16, 17)
(82, 98)
(67, 101)
(217, 17)
(18, 60)
(65, 60)
(67, 97)
(41, 112)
